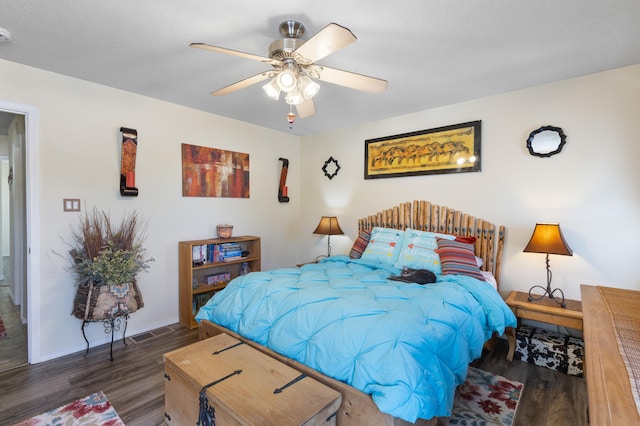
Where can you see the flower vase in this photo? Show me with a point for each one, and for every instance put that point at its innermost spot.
(98, 302)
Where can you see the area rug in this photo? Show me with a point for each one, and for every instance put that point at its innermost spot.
(92, 410)
(3, 331)
(485, 399)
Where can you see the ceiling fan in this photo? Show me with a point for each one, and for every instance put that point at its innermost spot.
(295, 69)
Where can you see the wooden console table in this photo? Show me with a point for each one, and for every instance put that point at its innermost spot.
(609, 392)
(543, 310)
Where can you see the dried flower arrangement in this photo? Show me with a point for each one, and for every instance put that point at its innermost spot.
(106, 254)
(106, 259)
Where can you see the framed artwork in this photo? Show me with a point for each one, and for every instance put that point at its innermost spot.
(211, 172)
(448, 149)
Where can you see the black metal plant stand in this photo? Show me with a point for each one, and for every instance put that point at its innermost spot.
(547, 291)
(111, 325)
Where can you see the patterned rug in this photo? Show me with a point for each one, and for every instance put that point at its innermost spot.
(92, 410)
(3, 331)
(485, 399)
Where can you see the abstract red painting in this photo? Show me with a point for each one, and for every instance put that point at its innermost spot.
(211, 172)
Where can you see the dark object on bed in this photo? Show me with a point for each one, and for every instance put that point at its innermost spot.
(419, 276)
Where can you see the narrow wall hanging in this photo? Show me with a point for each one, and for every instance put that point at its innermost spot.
(283, 191)
(211, 172)
(128, 166)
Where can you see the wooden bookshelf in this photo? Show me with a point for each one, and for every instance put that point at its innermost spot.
(194, 289)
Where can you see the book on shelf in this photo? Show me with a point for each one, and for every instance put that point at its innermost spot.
(199, 300)
(231, 258)
(217, 278)
(212, 253)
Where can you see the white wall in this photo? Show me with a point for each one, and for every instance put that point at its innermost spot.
(592, 188)
(80, 158)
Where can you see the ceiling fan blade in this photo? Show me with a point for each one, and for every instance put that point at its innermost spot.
(241, 84)
(330, 39)
(244, 55)
(353, 80)
(306, 108)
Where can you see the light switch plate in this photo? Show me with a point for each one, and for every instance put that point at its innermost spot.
(71, 204)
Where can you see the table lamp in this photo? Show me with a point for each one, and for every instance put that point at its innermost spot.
(328, 226)
(547, 238)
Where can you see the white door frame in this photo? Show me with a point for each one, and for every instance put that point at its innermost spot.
(32, 244)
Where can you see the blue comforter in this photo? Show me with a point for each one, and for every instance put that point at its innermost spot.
(407, 345)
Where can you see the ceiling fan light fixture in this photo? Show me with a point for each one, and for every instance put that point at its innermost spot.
(294, 70)
(272, 89)
(308, 87)
(287, 80)
(294, 97)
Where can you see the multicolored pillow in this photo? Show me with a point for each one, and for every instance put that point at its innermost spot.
(384, 246)
(360, 244)
(418, 250)
(458, 258)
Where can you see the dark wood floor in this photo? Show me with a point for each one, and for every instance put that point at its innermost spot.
(549, 398)
(134, 383)
(13, 350)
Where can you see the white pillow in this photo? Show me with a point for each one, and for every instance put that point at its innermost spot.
(489, 278)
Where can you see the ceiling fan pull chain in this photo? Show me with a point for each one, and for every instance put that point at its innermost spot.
(291, 117)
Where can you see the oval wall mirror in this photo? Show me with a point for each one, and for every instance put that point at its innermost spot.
(546, 141)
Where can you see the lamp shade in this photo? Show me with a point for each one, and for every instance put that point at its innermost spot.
(272, 89)
(548, 238)
(328, 226)
(287, 80)
(308, 87)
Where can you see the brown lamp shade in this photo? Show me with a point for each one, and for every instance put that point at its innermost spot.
(328, 226)
(548, 238)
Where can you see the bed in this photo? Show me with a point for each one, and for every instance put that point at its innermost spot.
(396, 350)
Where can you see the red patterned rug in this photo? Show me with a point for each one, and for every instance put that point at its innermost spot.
(485, 399)
(3, 331)
(93, 410)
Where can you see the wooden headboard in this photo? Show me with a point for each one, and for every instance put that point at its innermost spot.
(426, 216)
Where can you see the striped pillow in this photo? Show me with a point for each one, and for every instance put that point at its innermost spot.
(360, 244)
(458, 258)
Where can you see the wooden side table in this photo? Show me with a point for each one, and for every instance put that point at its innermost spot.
(543, 310)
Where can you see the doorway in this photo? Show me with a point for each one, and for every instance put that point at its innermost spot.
(13, 306)
(21, 278)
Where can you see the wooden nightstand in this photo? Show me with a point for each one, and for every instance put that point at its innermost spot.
(543, 310)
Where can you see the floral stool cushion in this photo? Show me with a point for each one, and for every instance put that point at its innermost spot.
(551, 350)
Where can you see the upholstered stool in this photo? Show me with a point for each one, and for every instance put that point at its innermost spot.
(548, 349)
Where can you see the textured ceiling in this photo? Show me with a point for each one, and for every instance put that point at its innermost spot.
(432, 53)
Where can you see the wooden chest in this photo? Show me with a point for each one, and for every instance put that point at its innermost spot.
(245, 387)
